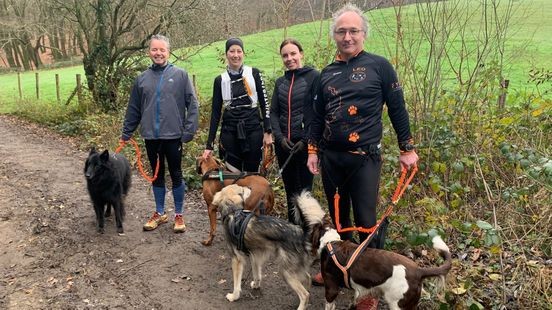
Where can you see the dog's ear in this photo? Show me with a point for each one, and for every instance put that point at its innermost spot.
(104, 156)
(315, 239)
(327, 221)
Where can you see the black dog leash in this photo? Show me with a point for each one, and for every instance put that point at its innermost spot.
(294, 150)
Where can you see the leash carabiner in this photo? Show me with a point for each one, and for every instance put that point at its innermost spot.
(139, 160)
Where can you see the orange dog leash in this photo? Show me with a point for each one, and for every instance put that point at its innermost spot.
(401, 187)
(139, 160)
(268, 159)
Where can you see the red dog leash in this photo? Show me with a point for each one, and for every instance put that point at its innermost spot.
(139, 160)
(401, 187)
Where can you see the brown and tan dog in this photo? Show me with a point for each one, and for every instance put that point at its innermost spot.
(379, 273)
(260, 190)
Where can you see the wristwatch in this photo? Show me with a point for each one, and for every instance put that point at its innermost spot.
(407, 146)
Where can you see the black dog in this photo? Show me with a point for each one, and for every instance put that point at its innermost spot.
(108, 181)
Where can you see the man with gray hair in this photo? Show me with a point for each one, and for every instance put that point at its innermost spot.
(346, 128)
(163, 102)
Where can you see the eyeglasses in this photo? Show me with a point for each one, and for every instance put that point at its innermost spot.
(343, 32)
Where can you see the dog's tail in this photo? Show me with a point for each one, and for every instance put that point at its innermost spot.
(441, 271)
(307, 210)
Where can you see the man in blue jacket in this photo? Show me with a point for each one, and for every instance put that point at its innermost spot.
(164, 104)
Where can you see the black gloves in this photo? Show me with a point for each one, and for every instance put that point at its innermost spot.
(286, 144)
(299, 146)
(289, 146)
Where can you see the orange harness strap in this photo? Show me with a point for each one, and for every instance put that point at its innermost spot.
(343, 269)
(139, 161)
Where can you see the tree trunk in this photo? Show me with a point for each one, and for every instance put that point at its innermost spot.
(10, 56)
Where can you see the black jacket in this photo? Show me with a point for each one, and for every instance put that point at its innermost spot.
(349, 103)
(293, 95)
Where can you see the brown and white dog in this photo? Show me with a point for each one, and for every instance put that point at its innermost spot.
(379, 273)
(260, 238)
(260, 191)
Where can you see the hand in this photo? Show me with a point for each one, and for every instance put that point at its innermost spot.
(299, 146)
(286, 144)
(312, 163)
(267, 139)
(206, 154)
(408, 159)
(186, 137)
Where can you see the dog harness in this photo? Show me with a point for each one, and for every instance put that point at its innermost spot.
(238, 225)
(221, 175)
(237, 228)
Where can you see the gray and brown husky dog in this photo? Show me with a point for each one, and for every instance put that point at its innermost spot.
(260, 238)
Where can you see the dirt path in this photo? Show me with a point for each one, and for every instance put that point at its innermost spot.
(52, 258)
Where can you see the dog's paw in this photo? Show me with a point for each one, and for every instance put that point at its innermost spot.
(232, 296)
(255, 284)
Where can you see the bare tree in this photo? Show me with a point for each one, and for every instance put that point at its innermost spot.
(110, 33)
(19, 24)
(282, 8)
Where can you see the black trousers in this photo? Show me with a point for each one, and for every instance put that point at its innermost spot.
(244, 154)
(296, 175)
(171, 151)
(356, 177)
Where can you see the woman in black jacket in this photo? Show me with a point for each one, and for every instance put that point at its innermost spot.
(239, 95)
(292, 98)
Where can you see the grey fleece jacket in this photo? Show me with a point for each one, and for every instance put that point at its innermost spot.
(164, 103)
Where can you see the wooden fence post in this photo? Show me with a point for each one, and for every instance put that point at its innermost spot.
(79, 89)
(19, 85)
(37, 86)
(57, 88)
(503, 91)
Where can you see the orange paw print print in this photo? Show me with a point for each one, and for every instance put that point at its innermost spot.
(353, 137)
(352, 110)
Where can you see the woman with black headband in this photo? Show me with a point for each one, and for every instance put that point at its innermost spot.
(239, 96)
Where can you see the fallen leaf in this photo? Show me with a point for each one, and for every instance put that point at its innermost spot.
(533, 263)
(495, 276)
(222, 281)
(476, 254)
(175, 280)
(459, 290)
(119, 261)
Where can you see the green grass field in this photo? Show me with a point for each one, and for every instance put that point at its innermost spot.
(529, 45)
(9, 91)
